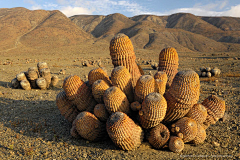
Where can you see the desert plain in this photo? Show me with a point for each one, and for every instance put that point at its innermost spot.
(31, 126)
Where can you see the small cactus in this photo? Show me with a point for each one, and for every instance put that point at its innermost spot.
(176, 144)
(25, 84)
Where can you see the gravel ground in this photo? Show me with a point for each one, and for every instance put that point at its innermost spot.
(31, 126)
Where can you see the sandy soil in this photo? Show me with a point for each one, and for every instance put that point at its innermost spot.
(31, 126)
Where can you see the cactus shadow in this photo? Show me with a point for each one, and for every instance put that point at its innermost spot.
(42, 119)
(5, 84)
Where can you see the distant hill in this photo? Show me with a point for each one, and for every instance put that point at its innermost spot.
(20, 27)
(184, 31)
(39, 28)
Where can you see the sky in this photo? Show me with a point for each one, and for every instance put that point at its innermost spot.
(131, 8)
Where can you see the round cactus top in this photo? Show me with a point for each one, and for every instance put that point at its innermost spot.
(169, 54)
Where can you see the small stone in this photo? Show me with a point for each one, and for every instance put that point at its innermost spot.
(150, 73)
(216, 144)
(225, 117)
(85, 155)
(62, 71)
(154, 66)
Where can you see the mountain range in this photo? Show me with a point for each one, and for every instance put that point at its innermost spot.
(20, 27)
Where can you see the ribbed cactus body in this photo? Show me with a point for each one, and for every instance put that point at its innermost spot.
(116, 101)
(121, 78)
(122, 54)
(168, 63)
(89, 127)
(124, 132)
(153, 110)
(188, 127)
(144, 86)
(96, 74)
(215, 108)
(182, 95)
(66, 108)
(158, 136)
(176, 144)
(98, 89)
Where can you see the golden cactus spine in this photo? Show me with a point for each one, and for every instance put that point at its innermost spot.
(176, 144)
(116, 101)
(71, 85)
(187, 127)
(78, 92)
(89, 127)
(158, 136)
(182, 95)
(160, 86)
(41, 65)
(32, 76)
(124, 132)
(215, 108)
(122, 54)
(97, 74)
(101, 112)
(198, 112)
(201, 135)
(144, 86)
(168, 62)
(66, 108)
(98, 89)
(160, 81)
(84, 99)
(121, 78)
(153, 110)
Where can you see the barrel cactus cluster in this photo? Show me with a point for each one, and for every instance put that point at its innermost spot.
(129, 107)
(35, 78)
(209, 72)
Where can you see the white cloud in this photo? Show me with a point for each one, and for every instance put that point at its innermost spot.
(105, 7)
(195, 11)
(36, 6)
(211, 9)
(217, 5)
(50, 5)
(62, 2)
(101, 7)
(223, 4)
(70, 11)
(30, 2)
(234, 11)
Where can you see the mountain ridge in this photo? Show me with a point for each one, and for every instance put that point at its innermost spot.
(186, 32)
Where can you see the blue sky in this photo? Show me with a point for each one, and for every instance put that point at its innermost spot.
(131, 8)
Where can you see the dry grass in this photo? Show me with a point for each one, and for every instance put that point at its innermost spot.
(211, 79)
(231, 74)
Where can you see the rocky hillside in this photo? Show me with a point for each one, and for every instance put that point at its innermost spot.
(39, 28)
(20, 27)
(183, 31)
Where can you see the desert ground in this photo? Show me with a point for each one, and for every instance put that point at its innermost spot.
(31, 126)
